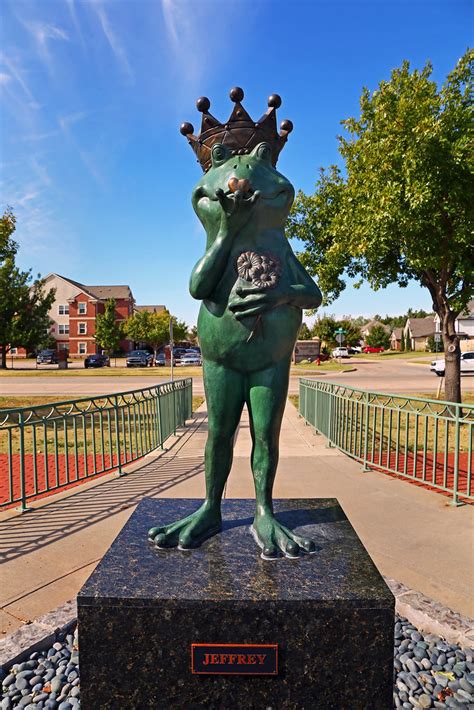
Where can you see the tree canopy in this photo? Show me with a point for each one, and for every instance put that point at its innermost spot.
(402, 209)
(378, 337)
(153, 328)
(108, 331)
(24, 306)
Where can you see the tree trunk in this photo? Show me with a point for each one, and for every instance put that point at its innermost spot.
(4, 357)
(452, 357)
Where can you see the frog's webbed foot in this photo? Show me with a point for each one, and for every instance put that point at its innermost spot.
(275, 539)
(188, 532)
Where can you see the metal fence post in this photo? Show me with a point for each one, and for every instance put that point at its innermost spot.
(365, 467)
(455, 500)
(23, 506)
(117, 436)
(329, 431)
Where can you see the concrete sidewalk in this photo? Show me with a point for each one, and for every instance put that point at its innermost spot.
(412, 534)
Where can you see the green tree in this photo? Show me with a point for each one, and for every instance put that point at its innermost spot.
(325, 328)
(402, 341)
(24, 306)
(154, 329)
(403, 210)
(378, 337)
(304, 332)
(108, 330)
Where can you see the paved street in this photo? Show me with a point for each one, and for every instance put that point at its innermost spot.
(412, 534)
(403, 376)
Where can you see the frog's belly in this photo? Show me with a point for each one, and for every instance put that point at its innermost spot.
(224, 339)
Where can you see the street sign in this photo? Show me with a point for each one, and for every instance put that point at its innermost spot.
(437, 337)
(340, 338)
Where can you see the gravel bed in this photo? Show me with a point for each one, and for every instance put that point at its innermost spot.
(428, 673)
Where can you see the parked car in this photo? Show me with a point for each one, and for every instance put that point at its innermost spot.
(467, 364)
(97, 360)
(160, 360)
(354, 350)
(139, 358)
(190, 358)
(47, 357)
(371, 349)
(340, 352)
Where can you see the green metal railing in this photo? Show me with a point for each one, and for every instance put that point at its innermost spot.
(423, 439)
(53, 446)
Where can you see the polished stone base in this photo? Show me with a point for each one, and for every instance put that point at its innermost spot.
(330, 613)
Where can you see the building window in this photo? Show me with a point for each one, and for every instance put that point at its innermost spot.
(63, 310)
(82, 308)
(63, 329)
(63, 346)
(81, 328)
(82, 348)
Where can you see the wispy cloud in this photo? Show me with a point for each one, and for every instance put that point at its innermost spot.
(43, 34)
(113, 40)
(15, 70)
(65, 123)
(75, 21)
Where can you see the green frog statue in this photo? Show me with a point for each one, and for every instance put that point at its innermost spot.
(253, 290)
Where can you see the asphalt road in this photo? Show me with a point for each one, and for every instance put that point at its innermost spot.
(384, 376)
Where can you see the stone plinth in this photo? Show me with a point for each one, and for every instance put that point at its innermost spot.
(330, 613)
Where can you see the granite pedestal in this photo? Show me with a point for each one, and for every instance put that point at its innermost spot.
(330, 614)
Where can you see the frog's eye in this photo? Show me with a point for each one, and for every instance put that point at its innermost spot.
(219, 154)
(264, 152)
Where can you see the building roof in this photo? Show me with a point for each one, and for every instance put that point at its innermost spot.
(397, 333)
(368, 326)
(105, 292)
(421, 327)
(102, 293)
(151, 309)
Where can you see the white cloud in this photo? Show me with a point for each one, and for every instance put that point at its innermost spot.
(42, 34)
(113, 40)
(5, 78)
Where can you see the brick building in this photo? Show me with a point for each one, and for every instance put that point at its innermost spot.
(74, 312)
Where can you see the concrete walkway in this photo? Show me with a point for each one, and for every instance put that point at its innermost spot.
(412, 534)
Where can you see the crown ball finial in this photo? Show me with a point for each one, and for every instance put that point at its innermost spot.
(186, 128)
(274, 101)
(203, 104)
(286, 125)
(236, 94)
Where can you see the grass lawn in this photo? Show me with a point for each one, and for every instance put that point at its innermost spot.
(395, 355)
(13, 402)
(153, 372)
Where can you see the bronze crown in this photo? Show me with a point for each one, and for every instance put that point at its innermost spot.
(240, 134)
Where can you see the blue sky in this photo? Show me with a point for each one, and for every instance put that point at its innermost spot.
(93, 93)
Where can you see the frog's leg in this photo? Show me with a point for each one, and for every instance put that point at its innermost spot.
(266, 399)
(225, 399)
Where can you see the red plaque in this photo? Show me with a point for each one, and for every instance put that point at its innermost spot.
(234, 658)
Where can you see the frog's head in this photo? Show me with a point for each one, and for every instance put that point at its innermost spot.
(251, 173)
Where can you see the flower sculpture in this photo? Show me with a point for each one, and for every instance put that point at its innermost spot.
(263, 271)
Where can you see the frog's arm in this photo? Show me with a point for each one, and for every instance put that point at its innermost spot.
(208, 271)
(304, 293)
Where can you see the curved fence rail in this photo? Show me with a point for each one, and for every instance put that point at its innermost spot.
(426, 440)
(55, 446)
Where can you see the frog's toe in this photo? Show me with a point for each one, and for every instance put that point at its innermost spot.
(270, 552)
(153, 532)
(292, 549)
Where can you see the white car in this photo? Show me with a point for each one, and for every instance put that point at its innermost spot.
(340, 352)
(190, 358)
(467, 364)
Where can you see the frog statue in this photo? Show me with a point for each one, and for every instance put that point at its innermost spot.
(253, 290)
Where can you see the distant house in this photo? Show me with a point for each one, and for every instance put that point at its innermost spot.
(150, 309)
(418, 330)
(464, 323)
(396, 339)
(365, 330)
